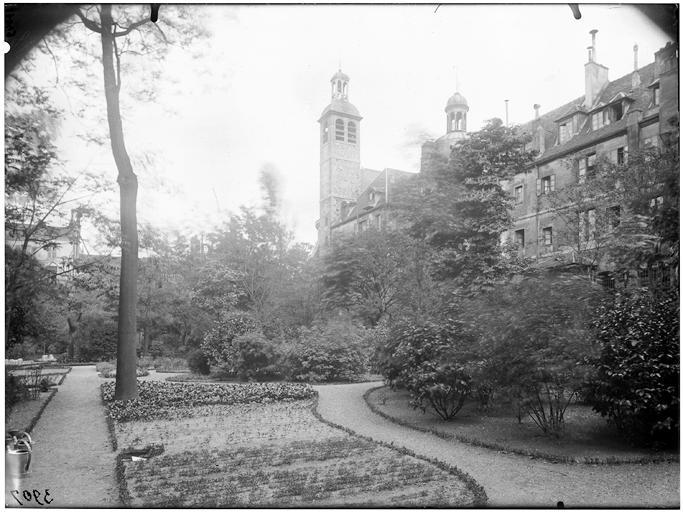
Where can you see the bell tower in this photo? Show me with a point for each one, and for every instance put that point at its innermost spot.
(340, 172)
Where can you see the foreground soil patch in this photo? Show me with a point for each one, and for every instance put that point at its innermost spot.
(587, 438)
(274, 455)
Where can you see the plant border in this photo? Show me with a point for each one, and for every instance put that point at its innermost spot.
(480, 497)
(34, 421)
(533, 454)
(120, 471)
(110, 422)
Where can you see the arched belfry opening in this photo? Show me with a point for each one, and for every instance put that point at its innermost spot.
(456, 113)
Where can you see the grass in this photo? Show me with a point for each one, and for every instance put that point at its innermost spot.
(275, 454)
(587, 437)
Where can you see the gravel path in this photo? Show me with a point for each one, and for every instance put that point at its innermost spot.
(72, 455)
(512, 480)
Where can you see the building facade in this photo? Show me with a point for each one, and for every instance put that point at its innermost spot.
(612, 117)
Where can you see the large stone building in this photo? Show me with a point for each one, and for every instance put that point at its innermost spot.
(609, 119)
(352, 198)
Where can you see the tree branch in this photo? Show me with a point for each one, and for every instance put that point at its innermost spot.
(128, 30)
(90, 24)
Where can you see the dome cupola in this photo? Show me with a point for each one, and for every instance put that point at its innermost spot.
(456, 113)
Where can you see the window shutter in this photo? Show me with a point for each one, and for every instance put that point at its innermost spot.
(552, 183)
(538, 186)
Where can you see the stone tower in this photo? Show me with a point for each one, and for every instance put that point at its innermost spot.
(340, 171)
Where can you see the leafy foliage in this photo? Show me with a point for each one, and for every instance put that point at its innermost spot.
(218, 341)
(378, 274)
(256, 357)
(430, 359)
(160, 399)
(636, 383)
(198, 362)
(328, 353)
(459, 207)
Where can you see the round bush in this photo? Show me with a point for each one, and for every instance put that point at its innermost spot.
(325, 354)
(217, 342)
(198, 362)
(636, 379)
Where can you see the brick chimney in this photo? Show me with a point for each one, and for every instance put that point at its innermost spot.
(596, 74)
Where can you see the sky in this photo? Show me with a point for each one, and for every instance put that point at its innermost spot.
(250, 95)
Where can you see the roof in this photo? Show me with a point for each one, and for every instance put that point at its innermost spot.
(620, 88)
(457, 100)
(341, 75)
(364, 203)
(341, 106)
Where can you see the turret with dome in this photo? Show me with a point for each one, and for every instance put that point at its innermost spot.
(456, 128)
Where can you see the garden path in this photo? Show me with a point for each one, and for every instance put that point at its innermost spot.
(512, 480)
(72, 454)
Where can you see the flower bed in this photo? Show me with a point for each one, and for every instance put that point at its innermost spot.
(159, 399)
(274, 454)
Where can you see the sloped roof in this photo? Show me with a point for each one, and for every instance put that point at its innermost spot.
(621, 87)
(378, 185)
(341, 106)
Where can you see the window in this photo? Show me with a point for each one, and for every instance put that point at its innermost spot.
(655, 96)
(362, 225)
(371, 196)
(651, 142)
(545, 185)
(613, 217)
(600, 119)
(51, 252)
(547, 236)
(586, 167)
(378, 221)
(656, 203)
(351, 134)
(617, 111)
(339, 130)
(621, 156)
(326, 132)
(587, 225)
(519, 237)
(565, 131)
(519, 194)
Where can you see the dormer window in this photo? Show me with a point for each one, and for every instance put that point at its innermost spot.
(600, 119)
(371, 196)
(565, 131)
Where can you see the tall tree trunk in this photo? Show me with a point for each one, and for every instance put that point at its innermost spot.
(126, 357)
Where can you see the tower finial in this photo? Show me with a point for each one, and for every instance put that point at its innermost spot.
(457, 79)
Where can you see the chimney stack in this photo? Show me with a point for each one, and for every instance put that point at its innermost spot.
(594, 52)
(596, 75)
(635, 77)
(537, 107)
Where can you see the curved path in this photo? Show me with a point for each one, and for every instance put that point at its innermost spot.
(512, 480)
(72, 454)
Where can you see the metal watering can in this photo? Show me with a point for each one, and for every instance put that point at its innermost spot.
(17, 453)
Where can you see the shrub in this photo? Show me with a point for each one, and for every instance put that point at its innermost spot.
(427, 358)
(256, 357)
(198, 362)
(333, 352)
(15, 390)
(170, 364)
(217, 342)
(533, 337)
(159, 399)
(108, 370)
(636, 379)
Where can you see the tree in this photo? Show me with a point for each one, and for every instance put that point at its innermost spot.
(128, 21)
(460, 208)
(378, 273)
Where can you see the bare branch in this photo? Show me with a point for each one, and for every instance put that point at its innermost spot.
(128, 30)
(90, 24)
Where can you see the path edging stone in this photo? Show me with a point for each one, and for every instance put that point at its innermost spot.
(532, 454)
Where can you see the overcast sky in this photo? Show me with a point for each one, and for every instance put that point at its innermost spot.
(256, 95)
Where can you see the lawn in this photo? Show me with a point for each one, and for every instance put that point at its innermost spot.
(587, 436)
(263, 452)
